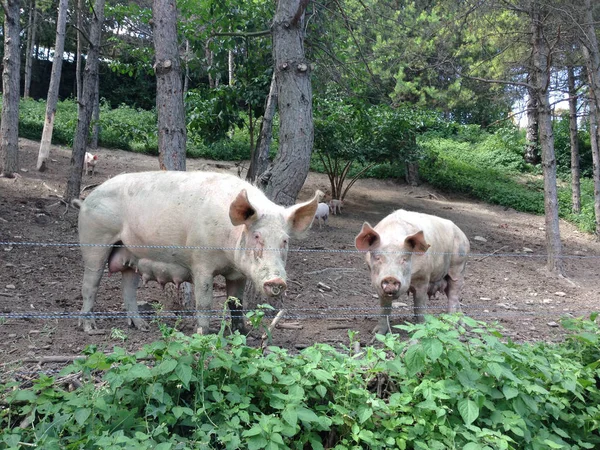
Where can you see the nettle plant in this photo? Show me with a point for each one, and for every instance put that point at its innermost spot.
(455, 383)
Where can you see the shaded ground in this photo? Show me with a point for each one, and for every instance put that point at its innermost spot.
(505, 282)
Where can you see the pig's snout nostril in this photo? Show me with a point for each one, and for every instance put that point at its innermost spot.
(390, 285)
(274, 287)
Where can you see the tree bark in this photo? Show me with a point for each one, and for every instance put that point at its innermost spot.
(93, 143)
(260, 156)
(591, 53)
(55, 76)
(78, 77)
(541, 75)
(575, 171)
(86, 103)
(31, 32)
(532, 154)
(285, 177)
(169, 94)
(9, 127)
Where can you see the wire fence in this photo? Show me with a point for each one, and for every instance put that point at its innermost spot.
(528, 254)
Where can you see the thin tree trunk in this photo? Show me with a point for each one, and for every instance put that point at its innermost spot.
(186, 77)
(230, 66)
(86, 103)
(541, 71)
(575, 171)
(208, 55)
(532, 154)
(169, 94)
(591, 53)
(79, 55)
(9, 127)
(287, 174)
(96, 117)
(52, 98)
(31, 32)
(260, 156)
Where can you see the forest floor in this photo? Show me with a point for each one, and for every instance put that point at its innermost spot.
(506, 280)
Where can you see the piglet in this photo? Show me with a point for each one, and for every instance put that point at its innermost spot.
(90, 162)
(322, 213)
(335, 206)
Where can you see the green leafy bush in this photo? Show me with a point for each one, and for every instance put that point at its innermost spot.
(455, 384)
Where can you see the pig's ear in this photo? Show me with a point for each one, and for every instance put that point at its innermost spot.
(367, 239)
(300, 216)
(241, 211)
(416, 242)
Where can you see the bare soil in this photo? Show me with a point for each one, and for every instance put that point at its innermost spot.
(506, 279)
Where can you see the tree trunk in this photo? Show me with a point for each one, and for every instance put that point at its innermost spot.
(52, 98)
(9, 127)
(591, 53)
(186, 76)
(594, 129)
(532, 154)
(541, 72)
(285, 177)
(78, 77)
(230, 67)
(169, 94)
(208, 55)
(86, 103)
(260, 156)
(96, 117)
(575, 172)
(31, 32)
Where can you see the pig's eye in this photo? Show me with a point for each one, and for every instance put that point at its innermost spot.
(285, 242)
(257, 236)
(377, 258)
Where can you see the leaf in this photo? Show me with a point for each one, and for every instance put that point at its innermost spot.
(81, 415)
(468, 409)
(139, 371)
(415, 359)
(164, 446)
(254, 431)
(552, 444)
(472, 446)
(184, 373)
(306, 415)
(509, 391)
(165, 367)
(364, 413)
(24, 395)
(321, 375)
(433, 348)
(266, 378)
(290, 416)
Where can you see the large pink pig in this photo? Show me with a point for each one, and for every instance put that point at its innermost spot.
(236, 231)
(396, 266)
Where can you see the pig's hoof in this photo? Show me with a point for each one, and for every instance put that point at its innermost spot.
(202, 330)
(88, 325)
(139, 323)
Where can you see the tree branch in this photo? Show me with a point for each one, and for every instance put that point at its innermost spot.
(242, 34)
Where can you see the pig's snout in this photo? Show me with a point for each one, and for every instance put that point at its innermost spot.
(390, 286)
(274, 287)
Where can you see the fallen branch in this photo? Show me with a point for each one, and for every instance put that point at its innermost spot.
(493, 253)
(48, 187)
(89, 186)
(338, 327)
(339, 269)
(269, 330)
(290, 326)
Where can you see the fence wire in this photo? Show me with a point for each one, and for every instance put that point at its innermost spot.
(293, 250)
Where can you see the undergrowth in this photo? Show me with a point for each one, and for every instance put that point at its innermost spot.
(456, 383)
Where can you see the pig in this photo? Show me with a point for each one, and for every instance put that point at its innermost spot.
(335, 206)
(138, 222)
(90, 162)
(438, 264)
(322, 213)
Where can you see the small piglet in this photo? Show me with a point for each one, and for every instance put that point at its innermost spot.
(335, 206)
(90, 162)
(322, 213)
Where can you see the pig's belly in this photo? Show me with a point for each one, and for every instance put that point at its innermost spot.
(151, 270)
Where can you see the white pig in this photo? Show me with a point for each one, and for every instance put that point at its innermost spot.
(335, 206)
(396, 271)
(322, 213)
(90, 162)
(236, 230)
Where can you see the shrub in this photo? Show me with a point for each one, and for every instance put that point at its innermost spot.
(455, 384)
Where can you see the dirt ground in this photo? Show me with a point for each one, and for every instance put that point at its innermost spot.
(506, 281)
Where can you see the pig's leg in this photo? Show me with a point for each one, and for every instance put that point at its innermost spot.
(203, 291)
(420, 300)
(129, 285)
(235, 288)
(453, 293)
(94, 260)
(386, 309)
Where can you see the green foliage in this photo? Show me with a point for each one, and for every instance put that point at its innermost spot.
(481, 169)
(455, 384)
(562, 147)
